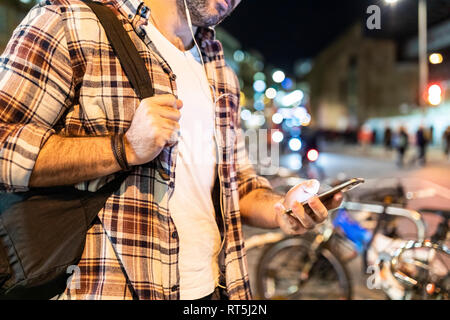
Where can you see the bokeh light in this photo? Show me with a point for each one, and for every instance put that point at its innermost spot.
(312, 155)
(271, 93)
(436, 58)
(292, 98)
(306, 120)
(277, 136)
(295, 144)
(242, 99)
(434, 94)
(246, 114)
(287, 83)
(277, 118)
(259, 76)
(259, 86)
(239, 56)
(278, 76)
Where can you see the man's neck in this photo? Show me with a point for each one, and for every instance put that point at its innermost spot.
(171, 22)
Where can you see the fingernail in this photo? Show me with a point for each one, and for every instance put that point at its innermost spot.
(311, 186)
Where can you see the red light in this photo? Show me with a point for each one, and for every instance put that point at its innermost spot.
(430, 288)
(312, 155)
(434, 94)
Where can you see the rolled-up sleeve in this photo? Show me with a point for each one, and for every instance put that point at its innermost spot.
(35, 88)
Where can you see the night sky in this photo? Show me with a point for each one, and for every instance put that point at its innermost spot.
(287, 30)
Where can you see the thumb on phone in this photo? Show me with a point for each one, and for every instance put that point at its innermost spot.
(302, 192)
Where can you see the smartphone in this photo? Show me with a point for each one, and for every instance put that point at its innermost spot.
(327, 195)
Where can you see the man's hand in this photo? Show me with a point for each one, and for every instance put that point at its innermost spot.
(70, 160)
(302, 222)
(154, 126)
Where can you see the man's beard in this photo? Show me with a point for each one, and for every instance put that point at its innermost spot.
(200, 13)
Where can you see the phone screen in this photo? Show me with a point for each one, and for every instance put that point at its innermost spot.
(343, 187)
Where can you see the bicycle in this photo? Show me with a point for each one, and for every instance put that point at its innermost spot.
(302, 268)
(291, 265)
(281, 248)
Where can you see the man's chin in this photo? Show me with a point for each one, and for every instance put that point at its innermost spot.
(211, 21)
(213, 17)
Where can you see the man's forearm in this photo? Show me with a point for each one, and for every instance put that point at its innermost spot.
(70, 160)
(257, 208)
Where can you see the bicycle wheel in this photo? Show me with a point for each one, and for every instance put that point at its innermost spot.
(282, 273)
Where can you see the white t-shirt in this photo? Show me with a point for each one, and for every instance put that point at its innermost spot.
(191, 204)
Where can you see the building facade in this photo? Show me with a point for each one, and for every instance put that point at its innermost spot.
(364, 80)
(357, 78)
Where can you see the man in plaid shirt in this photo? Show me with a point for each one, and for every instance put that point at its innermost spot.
(63, 94)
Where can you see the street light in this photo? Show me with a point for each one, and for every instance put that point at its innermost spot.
(423, 63)
(436, 58)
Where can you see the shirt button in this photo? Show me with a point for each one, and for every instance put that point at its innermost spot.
(175, 288)
(130, 16)
(171, 184)
(173, 76)
(174, 234)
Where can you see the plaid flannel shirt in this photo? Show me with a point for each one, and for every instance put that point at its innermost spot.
(59, 75)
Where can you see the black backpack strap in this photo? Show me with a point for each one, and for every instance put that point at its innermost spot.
(130, 59)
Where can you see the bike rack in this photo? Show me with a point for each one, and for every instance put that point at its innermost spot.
(400, 276)
(394, 258)
(412, 215)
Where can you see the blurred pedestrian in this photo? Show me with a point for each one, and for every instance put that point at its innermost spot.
(421, 142)
(402, 144)
(387, 139)
(431, 135)
(364, 137)
(446, 142)
(374, 136)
